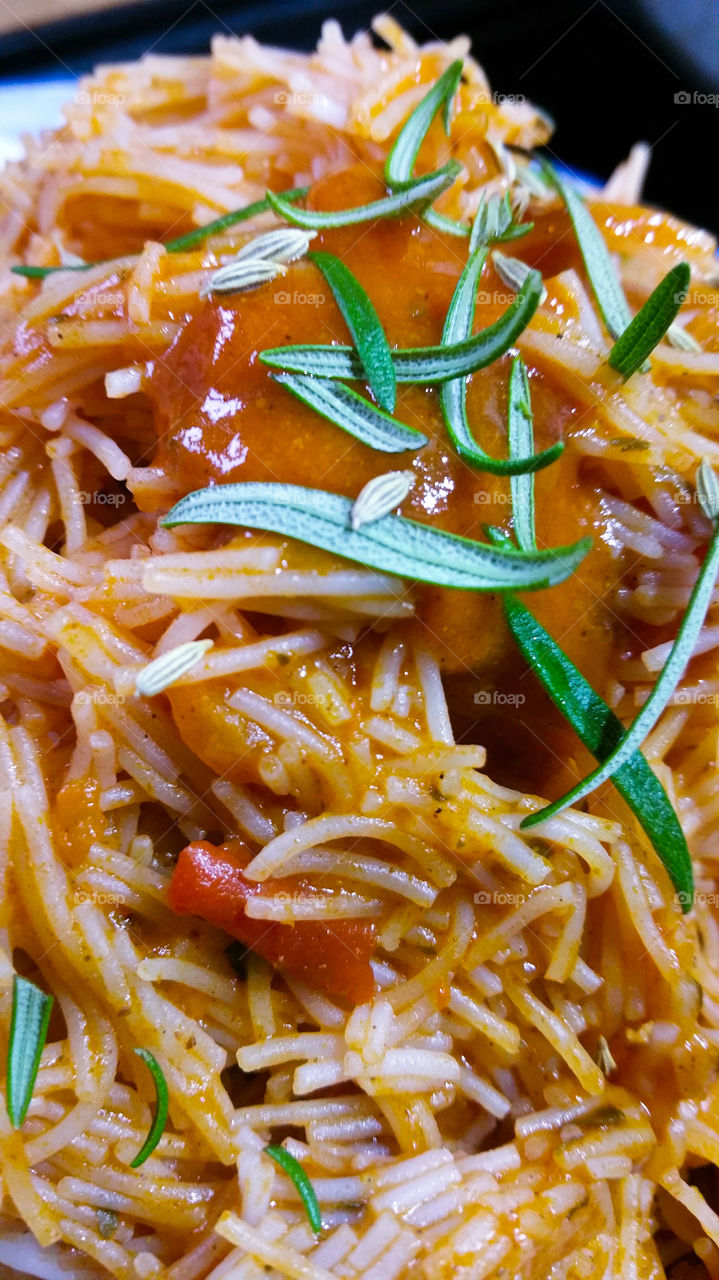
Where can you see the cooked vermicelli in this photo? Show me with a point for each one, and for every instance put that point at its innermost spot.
(267, 751)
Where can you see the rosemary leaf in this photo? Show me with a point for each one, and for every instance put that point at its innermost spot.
(303, 1186)
(31, 1009)
(393, 544)
(419, 364)
(650, 324)
(355, 415)
(400, 162)
(601, 730)
(414, 196)
(665, 686)
(602, 276)
(162, 1100)
(453, 394)
(365, 327)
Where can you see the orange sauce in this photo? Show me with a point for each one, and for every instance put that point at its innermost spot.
(220, 417)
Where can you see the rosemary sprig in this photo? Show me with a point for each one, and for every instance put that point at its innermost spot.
(651, 323)
(399, 166)
(162, 1099)
(393, 544)
(415, 196)
(29, 1021)
(667, 682)
(453, 394)
(400, 162)
(182, 244)
(521, 443)
(601, 731)
(355, 415)
(297, 1175)
(419, 364)
(365, 327)
(494, 222)
(602, 276)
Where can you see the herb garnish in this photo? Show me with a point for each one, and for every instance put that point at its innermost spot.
(393, 544)
(601, 730)
(157, 1127)
(494, 222)
(182, 244)
(355, 415)
(380, 496)
(302, 1183)
(650, 323)
(521, 444)
(169, 667)
(592, 720)
(420, 364)
(415, 195)
(602, 276)
(400, 162)
(31, 1009)
(671, 672)
(453, 394)
(365, 327)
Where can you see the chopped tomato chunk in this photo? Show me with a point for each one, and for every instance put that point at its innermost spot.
(208, 881)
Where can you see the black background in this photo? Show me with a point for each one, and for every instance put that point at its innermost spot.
(607, 73)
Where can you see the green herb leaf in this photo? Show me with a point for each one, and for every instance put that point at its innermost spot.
(190, 241)
(400, 162)
(601, 730)
(494, 222)
(107, 1223)
(182, 243)
(420, 364)
(393, 544)
(650, 323)
(414, 196)
(365, 327)
(379, 496)
(441, 222)
(707, 487)
(31, 1009)
(521, 444)
(161, 1108)
(453, 394)
(512, 271)
(302, 1183)
(665, 686)
(355, 415)
(165, 670)
(602, 276)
